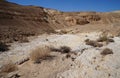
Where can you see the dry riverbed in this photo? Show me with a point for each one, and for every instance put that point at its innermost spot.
(85, 62)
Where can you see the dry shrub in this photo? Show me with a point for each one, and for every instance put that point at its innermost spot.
(62, 49)
(106, 51)
(55, 49)
(65, 49)
(3, 47)
(111, 40)
(40, 53)
(104, 38)
(87, 40)
(68, 55)
(9, 67)
(93, 43)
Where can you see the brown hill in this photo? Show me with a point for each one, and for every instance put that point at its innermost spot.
(18, 22)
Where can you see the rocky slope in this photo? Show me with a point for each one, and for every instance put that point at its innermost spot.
(17, 22)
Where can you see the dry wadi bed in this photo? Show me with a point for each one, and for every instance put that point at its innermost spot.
(63, 56)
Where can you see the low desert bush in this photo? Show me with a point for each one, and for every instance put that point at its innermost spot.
(93, 43)
(87, 40)
(68, 55)
(62, 49)
(40, 53)
(3, 47)
(110, 40)
(9, 67)
(55, 49)
(104, 38)
(106, 51)
(65, 49)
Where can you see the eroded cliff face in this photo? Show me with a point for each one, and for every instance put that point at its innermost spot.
(62, 19)
(71, 18)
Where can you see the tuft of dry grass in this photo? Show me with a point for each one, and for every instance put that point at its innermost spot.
(106, 51)
(9, 67)
(93, 43)
(40, 53)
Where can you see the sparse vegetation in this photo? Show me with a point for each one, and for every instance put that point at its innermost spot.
(9, 67)
(55, 49)
(3, 47)
(87, 40)
(111, 40)
(93, 43)
(68, 55)
(104, 38)
(62, 49)
(39, 54)
(65, 49)
(63, 32)
(106, 51)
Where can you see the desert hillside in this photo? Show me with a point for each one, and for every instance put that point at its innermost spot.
(18, 22)
(37, 42)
